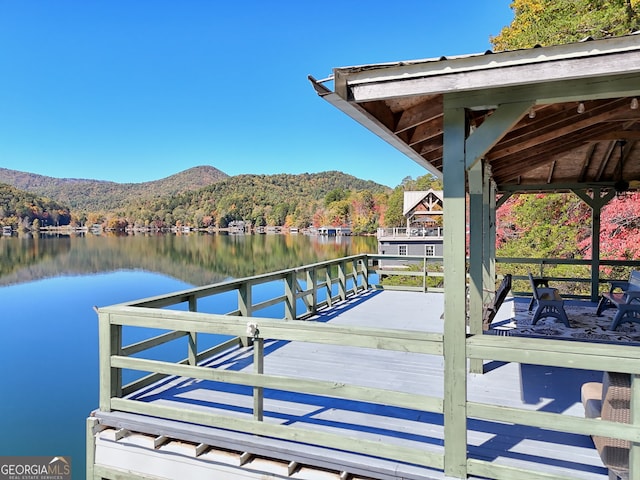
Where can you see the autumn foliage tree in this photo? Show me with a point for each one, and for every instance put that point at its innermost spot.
(559, 225)
(554, 22)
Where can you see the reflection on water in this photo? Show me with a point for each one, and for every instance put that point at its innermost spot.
(49, 341)
(198, 259)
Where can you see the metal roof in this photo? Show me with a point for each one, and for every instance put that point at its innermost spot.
(578, 123)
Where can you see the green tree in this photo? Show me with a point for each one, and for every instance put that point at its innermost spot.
(554, 22)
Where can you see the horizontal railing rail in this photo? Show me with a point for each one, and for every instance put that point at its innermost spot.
(549, 267)
(312, 287)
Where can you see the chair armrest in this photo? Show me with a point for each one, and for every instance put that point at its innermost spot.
(631, 295)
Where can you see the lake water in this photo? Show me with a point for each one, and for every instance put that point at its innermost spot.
(49, 340)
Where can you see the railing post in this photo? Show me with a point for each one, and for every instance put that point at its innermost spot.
(258, 367)
(244, 299)
(342, 280)
(110, 343)
(193, 336)
(245, 302)
(424, 274)
(354, 276)
(328, 285)
(312, 298)
(92, 423)
(364, 264)
(290, 312)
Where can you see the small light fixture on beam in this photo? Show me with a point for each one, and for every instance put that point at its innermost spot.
(634, 103)
(532, 113)
(580, 107)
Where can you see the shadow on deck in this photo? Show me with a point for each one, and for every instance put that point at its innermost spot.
(531, 387)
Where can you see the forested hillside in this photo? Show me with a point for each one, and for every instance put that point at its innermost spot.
(328, 198)
(23, 209)
(292, 200)
(102, 196)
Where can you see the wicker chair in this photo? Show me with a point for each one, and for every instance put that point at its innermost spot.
(610, 400)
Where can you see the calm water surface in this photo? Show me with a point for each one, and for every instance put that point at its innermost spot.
(49, 341)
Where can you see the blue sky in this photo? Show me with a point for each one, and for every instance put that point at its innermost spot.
(137, 90)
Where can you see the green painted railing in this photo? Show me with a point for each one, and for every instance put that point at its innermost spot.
(316, 286)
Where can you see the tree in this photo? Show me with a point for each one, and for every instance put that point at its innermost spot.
(554, 22)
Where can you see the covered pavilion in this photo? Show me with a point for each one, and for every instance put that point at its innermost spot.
(546, 119)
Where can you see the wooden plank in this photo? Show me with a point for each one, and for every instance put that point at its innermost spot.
(486, 469)
(415, 456)
(554, 421)
(291, 384)
(418, 342)
(161, 339)
(492, 130)
(306, 455)
(590, 356)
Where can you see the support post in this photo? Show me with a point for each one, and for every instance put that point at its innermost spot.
(455, 359)
(193, 336)
(364, 264)
(342, 281)
(489, 247)
(596, 203)
(595, 246)
(312, 298)
(290, 294)
(110, 343)
(90, 438)
(258, 367)
(245, 301)
(476, 251)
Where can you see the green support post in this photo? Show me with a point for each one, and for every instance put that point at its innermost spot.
(90, 438)
(455, 359)
(342, 281)
(476, 250)
(290, 294)
(110, 343)
(193, 336)
(258, 367)
(312, 298)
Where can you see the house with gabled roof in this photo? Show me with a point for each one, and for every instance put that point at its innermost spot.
(422, 234)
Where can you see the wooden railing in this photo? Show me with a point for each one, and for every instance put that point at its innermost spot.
(304, 291)
(571, 276)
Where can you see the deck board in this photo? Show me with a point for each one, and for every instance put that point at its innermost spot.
(525, 386)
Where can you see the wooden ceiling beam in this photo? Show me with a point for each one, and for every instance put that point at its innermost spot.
(419, 114)
(507, 168)
(587, 161)
(381, 112)
(605, 161)
(552, 131)
(426, 131)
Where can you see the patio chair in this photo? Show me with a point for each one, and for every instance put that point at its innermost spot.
(610, 400)
(548, 303)
(491, 309)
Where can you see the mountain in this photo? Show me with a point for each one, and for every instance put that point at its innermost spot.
(262, 199)
(98, 195)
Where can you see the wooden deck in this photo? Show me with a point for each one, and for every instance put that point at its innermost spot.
(546, 389)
